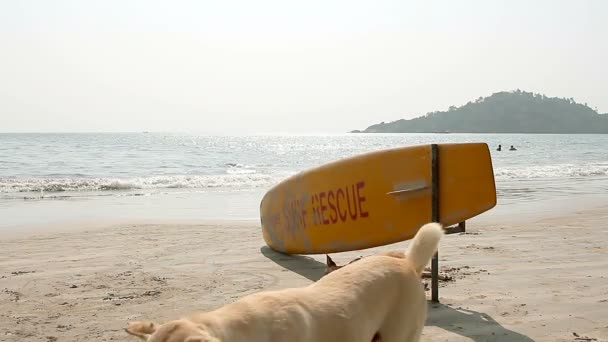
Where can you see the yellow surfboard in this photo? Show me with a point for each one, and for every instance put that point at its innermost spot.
(376, 198)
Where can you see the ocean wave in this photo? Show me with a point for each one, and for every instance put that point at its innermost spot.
(552, 171)
(237, 177)
(240, 169)
(233, 181)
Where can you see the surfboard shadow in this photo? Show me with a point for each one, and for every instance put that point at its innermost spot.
(477, 326)
(302, 265)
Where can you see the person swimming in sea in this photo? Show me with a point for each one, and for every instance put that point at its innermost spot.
(512, 148)
(499, 148)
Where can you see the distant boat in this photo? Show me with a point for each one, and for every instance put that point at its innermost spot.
(145, 132)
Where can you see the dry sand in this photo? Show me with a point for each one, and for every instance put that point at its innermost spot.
(544, 281)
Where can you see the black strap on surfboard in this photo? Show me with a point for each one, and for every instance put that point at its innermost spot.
(435, 218)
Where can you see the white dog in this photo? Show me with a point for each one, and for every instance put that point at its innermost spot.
(378, 298)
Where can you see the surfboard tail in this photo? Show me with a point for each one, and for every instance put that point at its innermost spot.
(424, 245)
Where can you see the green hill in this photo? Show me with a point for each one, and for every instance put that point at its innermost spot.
(505, 112)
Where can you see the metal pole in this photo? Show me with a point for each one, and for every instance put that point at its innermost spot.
(435, 218)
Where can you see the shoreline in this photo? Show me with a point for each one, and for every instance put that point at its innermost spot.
(225, 207)
(542, 280)
(70, 216)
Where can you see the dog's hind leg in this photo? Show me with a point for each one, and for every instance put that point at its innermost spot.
(405, 324)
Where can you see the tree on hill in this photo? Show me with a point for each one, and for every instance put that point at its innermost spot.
(505, 112)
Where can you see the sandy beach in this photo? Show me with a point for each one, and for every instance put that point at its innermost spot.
(542, 280)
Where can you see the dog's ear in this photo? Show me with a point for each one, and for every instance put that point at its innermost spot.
(329, 262)
(141, 329)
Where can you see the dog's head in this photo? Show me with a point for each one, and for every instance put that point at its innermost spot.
(173, 331)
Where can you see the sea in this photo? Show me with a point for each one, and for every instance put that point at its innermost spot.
(163, 177)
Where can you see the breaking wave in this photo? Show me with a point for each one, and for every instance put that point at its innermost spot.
(237, 181)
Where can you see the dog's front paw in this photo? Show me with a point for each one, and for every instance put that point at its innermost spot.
(141, 329)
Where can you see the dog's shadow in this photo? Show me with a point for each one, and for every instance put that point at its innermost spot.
(475, 325)
(302, 265)
(472, 324)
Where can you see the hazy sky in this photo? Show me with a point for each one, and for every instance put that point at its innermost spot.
(285, 66)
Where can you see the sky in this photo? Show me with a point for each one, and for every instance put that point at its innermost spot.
(256, 67)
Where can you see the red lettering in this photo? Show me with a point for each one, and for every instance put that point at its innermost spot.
(323, 208)
(315, 210)
(333, 215)
(303, 213)
(332, 201)
(353, 212)
(300, 214)
(361, 199)
(286, 213)
(291, 215)
(338, 193)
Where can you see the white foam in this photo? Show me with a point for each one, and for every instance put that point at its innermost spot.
(233, 181)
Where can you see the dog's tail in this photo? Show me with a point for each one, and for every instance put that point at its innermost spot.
(424, 245)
